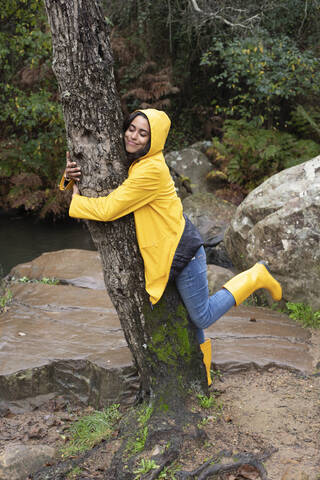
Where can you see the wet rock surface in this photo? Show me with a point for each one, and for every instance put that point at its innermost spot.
(258, 337)
(67, 339)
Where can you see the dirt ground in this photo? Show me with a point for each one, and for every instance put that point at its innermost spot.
(254, 411)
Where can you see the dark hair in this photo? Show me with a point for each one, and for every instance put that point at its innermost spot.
(126, 125)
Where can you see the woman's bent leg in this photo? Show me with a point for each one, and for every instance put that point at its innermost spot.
(192, 284)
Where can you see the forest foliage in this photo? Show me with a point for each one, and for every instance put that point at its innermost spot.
(245, 74)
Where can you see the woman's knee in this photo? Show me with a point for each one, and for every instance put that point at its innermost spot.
(203, 321)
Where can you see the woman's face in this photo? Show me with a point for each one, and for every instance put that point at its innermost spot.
(137, 134)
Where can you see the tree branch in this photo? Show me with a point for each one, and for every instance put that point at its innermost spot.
(195, 6)
(216, 15)
(304, 18)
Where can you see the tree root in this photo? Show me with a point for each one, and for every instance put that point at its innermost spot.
(166, 430)
(61, 469)
(172, 456)
(210, 467)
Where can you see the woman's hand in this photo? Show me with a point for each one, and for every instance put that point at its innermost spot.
(75, 190)
(73, 172)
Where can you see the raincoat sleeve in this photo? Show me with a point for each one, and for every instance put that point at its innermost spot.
(139, 189)
(65, 184)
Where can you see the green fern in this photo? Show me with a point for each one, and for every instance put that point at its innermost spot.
(302, 119)
(249, 155)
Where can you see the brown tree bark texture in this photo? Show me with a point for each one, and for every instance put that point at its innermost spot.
(83, 65)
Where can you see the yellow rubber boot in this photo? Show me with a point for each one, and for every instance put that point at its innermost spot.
(207, 355)
(243, 285)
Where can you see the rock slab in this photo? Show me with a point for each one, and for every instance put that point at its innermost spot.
(68, 339)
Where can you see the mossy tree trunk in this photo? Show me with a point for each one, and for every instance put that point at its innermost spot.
(162, 340)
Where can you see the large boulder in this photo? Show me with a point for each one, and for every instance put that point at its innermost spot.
(191, 164)
(211, 215)
(280, 222)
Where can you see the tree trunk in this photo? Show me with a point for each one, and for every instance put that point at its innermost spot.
(162, 340)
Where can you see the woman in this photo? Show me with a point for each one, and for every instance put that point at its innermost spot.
(170, 245)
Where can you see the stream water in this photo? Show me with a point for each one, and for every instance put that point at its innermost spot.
(24, 238)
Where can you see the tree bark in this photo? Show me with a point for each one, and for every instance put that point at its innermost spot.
(162, 340)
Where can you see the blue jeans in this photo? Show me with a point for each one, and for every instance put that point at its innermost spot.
(192, 284)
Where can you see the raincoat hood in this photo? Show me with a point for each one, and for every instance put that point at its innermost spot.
(159, 128)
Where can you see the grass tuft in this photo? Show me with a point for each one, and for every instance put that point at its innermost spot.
(89, 430)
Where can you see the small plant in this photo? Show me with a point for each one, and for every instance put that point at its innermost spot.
(216, 374)
(90, 430)
(74, 473)
(206, 402)
(136, 445)
(24, 280)
(304, 314)
(207, 445)
(145, 414)
(203, 422)
(5, 299)
(209, 402)
(45, 280)
(168, 473)
(145, 466)
(49, 281)
(5, 292)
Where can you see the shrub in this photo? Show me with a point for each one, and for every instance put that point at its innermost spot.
(249, 155)
(304, 314)
(261, 76)
(32, 139)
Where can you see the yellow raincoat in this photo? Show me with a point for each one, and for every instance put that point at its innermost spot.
(150, 194)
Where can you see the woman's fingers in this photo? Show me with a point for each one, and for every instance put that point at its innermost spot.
(73, 173)
(69, 163)
(72, 169)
